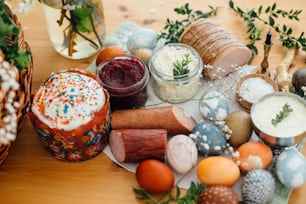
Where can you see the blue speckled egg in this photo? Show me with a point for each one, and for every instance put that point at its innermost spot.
(257, 187)
(291, 168)
(214, 106)
(143, 38)
(209, 139)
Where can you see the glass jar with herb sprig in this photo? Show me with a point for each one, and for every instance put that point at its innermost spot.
(76, 27)
(176, 70)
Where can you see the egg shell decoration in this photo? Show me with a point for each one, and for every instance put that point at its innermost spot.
(240, 125)
(257, 187)
(214, 106)
(253, 155)
(299, 82)
(182, 153)
(142, 38)
(218, 170)
(209, 138)
(291, 168)
(218, 194)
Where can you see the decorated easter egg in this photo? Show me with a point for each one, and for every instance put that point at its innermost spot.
(218, 194)
(253, 155)
(218, 170)
(239, 124)
(257, 187)
(291, 168)
(182, 153)
(209, 139)
(214, 106)
(143, 38)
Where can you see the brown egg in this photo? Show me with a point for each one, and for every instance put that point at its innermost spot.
(239, 123)
(253, 155)
(218, 194)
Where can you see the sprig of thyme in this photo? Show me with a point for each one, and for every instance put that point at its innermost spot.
(181, 67)
(190, 197)
(254, 16)
(174, 29)
(282, 114)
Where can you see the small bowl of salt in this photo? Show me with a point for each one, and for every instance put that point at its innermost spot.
(251, 87)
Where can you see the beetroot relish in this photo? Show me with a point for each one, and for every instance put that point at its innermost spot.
(126, 79)
(121, 73)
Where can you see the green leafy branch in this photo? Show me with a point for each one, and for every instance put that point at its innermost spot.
(190, 197)
(174, 29)
(282, 114)
(9, 44)
(253, 16)
(181, 67)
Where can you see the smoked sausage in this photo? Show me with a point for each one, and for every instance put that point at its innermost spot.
(171, 118)
(136, 145)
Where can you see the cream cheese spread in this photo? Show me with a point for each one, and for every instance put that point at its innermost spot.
(267, 109)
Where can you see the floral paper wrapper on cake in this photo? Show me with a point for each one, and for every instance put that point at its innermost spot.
(70, 113)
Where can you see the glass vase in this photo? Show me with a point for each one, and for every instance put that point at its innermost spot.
(76, 27)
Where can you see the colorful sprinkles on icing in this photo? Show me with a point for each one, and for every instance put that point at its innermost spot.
(68, 100)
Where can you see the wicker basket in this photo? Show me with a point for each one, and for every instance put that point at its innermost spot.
(24, 92)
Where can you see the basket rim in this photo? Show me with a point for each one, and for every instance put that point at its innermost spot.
(25, 88)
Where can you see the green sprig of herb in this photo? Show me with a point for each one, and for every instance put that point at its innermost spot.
(9, 45)
(181, 67)
(190, 197)
(174, 29)
(254, 16)
(282, 114)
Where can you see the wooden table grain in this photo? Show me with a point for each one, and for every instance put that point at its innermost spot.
(31, 175)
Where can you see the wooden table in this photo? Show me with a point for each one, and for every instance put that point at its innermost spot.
(31, 175)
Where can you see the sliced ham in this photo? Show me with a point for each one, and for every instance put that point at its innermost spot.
(236, 56)
(208, 38)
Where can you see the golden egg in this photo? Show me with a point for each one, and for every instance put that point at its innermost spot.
(218, 170)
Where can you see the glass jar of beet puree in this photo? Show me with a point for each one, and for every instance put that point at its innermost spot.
(176, 86)
(126, 79)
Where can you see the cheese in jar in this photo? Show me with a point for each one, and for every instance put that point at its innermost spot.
(176, 70)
